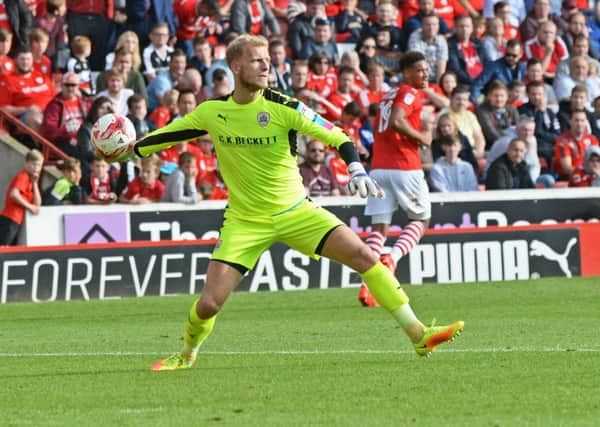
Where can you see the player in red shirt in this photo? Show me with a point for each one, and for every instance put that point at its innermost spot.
(396, 164)
(570, 146)
(26, 93)
(146, 188)
(23, 194)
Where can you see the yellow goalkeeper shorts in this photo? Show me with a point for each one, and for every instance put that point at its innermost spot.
(302, 227)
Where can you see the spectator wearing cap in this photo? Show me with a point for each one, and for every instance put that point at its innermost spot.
(26, 92)
(253, 17)
(588, 174)
(64, 115)
(302, 28)
(321, 42)
(91, 19)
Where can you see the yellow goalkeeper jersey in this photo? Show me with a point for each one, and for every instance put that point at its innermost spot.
(255, 145)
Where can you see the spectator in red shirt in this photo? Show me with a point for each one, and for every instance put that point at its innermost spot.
(64, 115)
(23, 194)
(167, 110)
(26, 93)
(7, 64)
(321, 77)
(571, 145)
(502, 11)
(99, 187)
(375, 89)
(146, 188)
(587, 175)
(548, 48)
(38, 39)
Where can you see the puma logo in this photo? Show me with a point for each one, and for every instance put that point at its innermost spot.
(538, 248)
(222, 117)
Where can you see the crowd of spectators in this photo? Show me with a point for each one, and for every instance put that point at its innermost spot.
(513, 96)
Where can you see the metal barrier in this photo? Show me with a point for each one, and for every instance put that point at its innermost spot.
(52, 154)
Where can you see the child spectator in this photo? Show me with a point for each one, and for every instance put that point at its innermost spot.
(181, 184)
(116, 91)
(162, 115)
(54, 23)
(81, 48)
(588, 174)
(124, 63)
(23, 194)
(157, 54)
(138, 112)
(66, 189)
(146, 188)
(7, 64)
(99, 187)
(451, 173)
(38, 39)
(516, 93)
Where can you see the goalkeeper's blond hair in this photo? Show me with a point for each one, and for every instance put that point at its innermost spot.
(237, 47)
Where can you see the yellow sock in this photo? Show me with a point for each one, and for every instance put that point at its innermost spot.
(384, 287)
(196, 331)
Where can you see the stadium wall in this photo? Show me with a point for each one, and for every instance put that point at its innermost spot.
(116, 270)
(168, 221)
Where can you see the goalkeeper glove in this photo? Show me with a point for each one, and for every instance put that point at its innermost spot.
(361, 182)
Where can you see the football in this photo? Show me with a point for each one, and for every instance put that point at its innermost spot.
(111, 135)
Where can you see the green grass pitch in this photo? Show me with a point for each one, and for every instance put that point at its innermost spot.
(529, 356)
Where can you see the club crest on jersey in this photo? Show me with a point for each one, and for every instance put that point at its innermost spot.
(409, 98)
(263, 118)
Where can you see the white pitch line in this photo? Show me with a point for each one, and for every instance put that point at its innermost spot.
(308, 352)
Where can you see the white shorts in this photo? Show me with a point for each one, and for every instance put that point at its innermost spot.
(407, 189)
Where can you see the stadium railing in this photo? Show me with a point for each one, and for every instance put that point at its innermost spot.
(12, 125)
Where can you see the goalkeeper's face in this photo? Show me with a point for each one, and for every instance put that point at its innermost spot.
(254, 69)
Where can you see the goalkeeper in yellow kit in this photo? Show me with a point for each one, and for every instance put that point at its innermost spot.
(254, 132)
